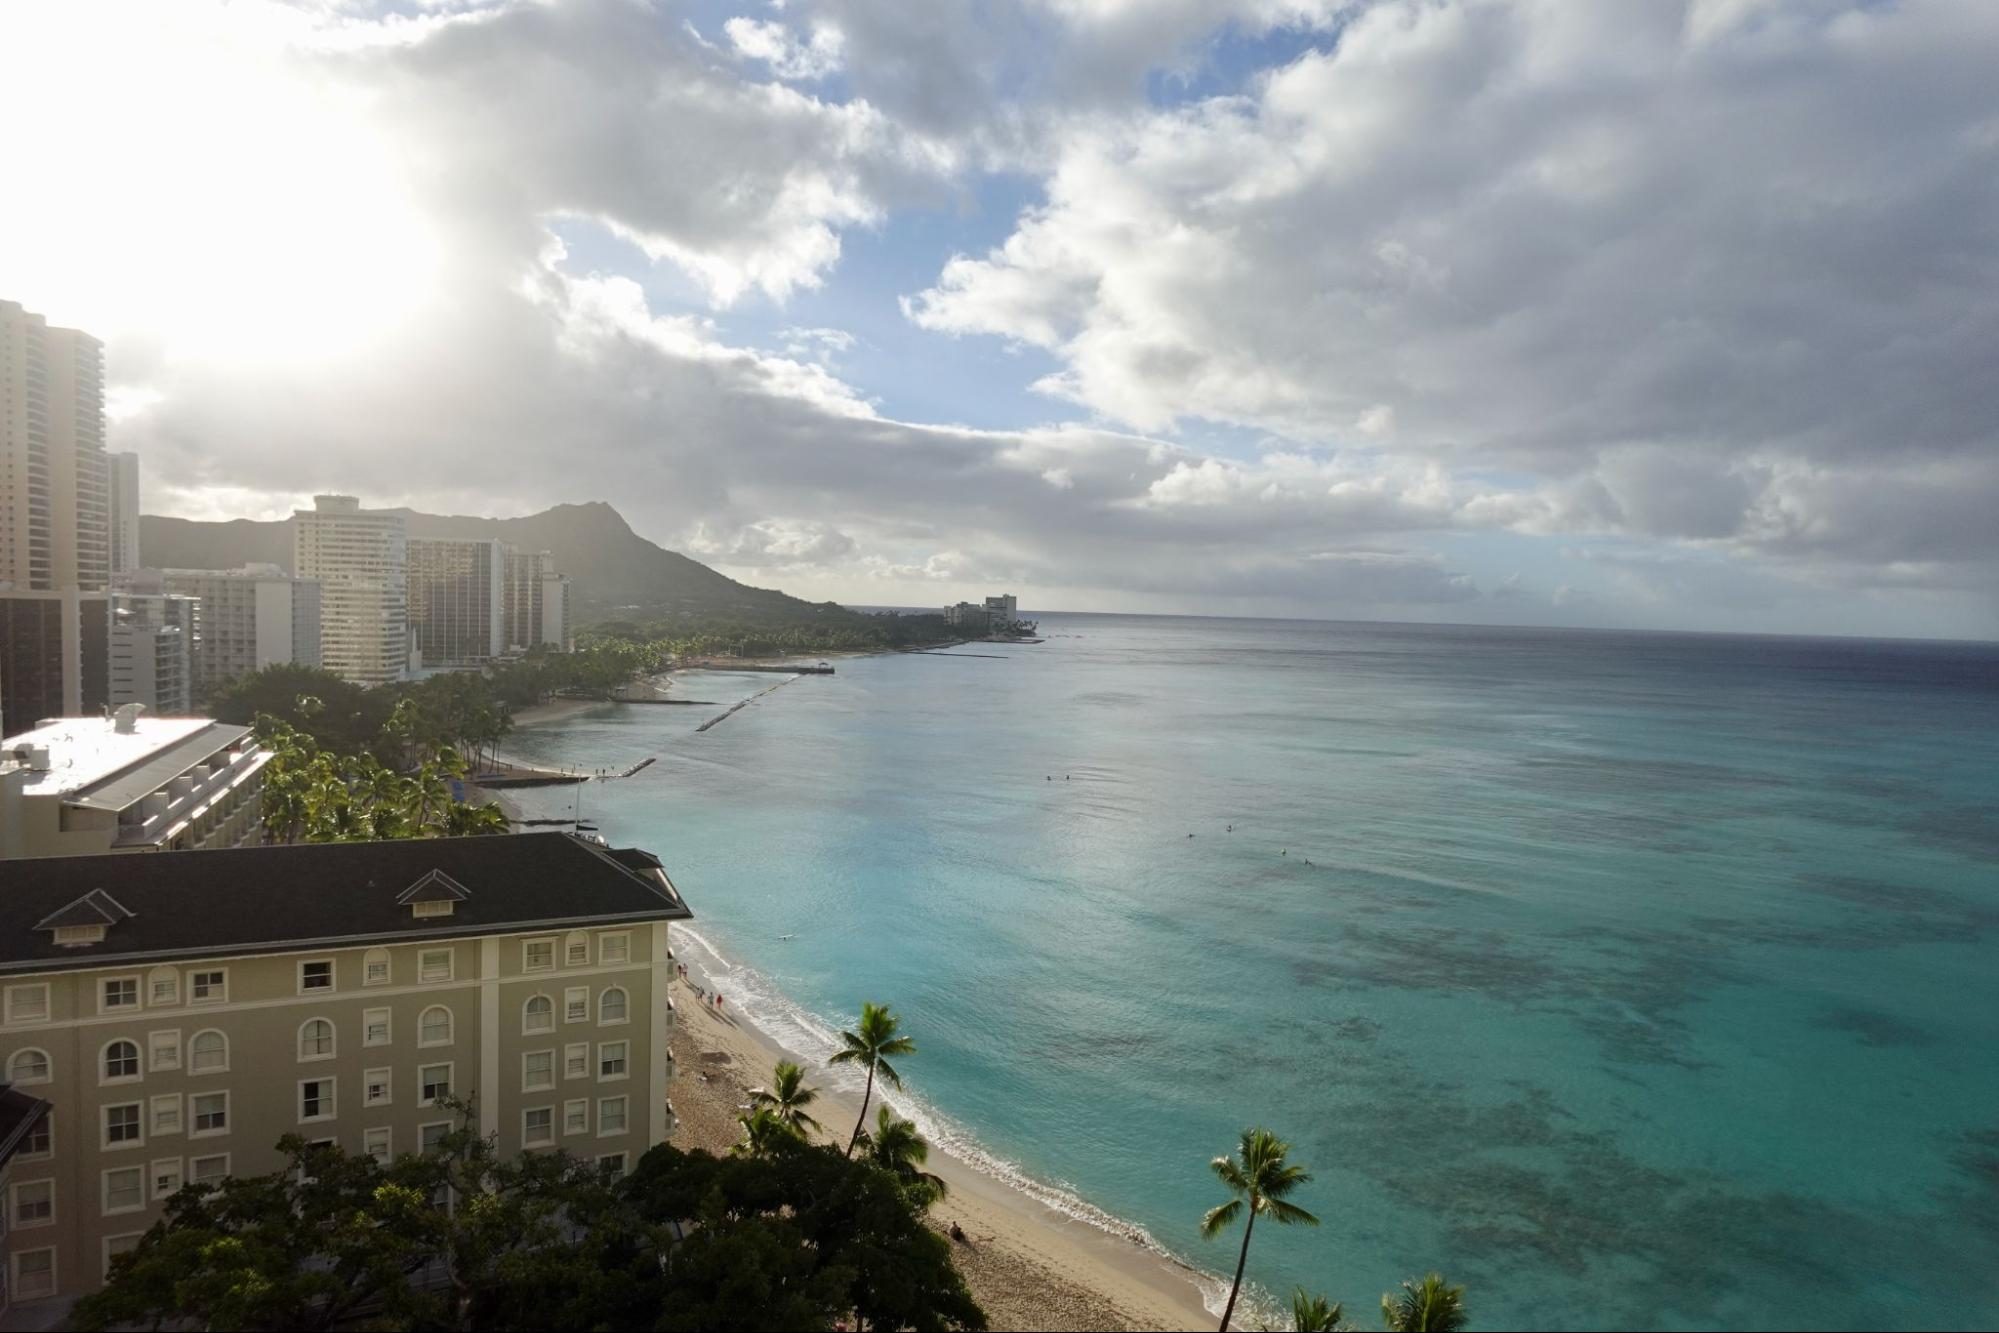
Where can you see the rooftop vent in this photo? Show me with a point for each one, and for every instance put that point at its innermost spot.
(125, 720)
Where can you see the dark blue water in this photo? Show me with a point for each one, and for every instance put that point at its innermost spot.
(1634, 980)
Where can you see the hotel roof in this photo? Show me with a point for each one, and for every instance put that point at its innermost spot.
(92, 763)
(320, 895)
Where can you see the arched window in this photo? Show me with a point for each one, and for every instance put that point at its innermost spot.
(315, 1039)
(611, 1005)
(375, 967)
(29, 1066)
(121, 1059)
(208, 1053)
(434, 1027)
(538, 1014)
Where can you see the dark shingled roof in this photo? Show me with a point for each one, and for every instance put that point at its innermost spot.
(269, 899)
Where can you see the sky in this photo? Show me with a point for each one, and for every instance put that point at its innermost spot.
(1634, 313)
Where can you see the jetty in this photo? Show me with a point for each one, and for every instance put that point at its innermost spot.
(822, 669)
(729, 712)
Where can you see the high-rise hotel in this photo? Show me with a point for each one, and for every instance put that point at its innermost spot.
(360, 559)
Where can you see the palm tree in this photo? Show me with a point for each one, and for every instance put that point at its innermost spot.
(1315, 1314)
(1429, 1306)
(876, 1040)
(898, 1149)
(1261, 1178)
(763, 1134)
(787, 1097)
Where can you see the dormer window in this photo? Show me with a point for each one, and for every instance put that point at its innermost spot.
(79, 934)
(84, 921)
(435, 895)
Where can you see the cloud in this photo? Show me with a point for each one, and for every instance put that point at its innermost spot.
(789, 57)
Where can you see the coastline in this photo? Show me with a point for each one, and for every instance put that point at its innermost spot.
(1030, 1266)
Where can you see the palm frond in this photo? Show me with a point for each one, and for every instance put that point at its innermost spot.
(1217, 1219)
(1287, 1213)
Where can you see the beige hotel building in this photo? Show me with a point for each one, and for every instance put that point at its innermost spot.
(181, 1013)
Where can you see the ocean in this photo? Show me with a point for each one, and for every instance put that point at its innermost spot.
(1633, 980)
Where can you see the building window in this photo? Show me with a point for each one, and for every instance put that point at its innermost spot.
(117, 1245)
(163, 986)
(433, 965)
(612, 1006)
(315, 1099)
(610, 1116)
(576, 1116)
(34, 1274)
(433, 1081)
(166, 1114)
(614, 948)
(442, 907)
(315, 975)
(576, 950)
(538, 1014)
(538, 956)
(576, 1005)
(28, 1004)
(612, 1164)
(431, 1137)
(41, 1140)
(374, 1027)
(537, 1070)
(434, 1027)
(34, 1204)
(379, 1143)
(210, 986)
(29, 1066)
(375, 967)
(611, 1061)
(576, 1060)
(125, 1189)
(211, 1114)
(124, 1125)
(208, 1053)
(119, 993)
(121, 1061)
(163, 1050)
(315, 1039)
(208, 1170)
(377, 1087)
(537, 1127)
(166, 1177)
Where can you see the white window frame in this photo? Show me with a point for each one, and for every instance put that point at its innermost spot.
(332, 985)
(105, 1079)
(153, 1049)
(527, 1031)
(104, 1126)
(153, 1107)
(17, 1290)
(450, 1026)
(15, 995)
(225, 1052)
(547, 1140)
(423, 965)
(48, 1063)
(193, 1116)
(109, 1254)
(194, 1176)
(388, 1133)
(624, 1058)
(14, 1222)
(571, 1107)
(47, 1125)
(194, 975)
(569, 1053)
(450, 1068)
(368, 1017)
(604, 1022)
(331, 1097)
(332, 1040)
(574, 941)
(179, 1166)
(622, 938)
(368, 961)
(444, 1125)
(138, 994)
(571, 997)
(622, 1159)
(625, 1112)
(527, 953)
(169, 975)
(527, 1084)
(104, 1190)
(388, 1077)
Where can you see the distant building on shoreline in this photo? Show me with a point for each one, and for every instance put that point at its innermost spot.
(536, 602)
(360, 559)
(457, 600)
(124, 474)
(249, 618)
(997, 615)
(55, 500)
(152, 651)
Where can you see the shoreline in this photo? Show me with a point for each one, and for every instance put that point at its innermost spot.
(1028, 1265)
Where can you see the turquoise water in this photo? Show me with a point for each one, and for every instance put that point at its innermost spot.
(1634, 980)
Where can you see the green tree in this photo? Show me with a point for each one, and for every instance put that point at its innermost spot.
(764, 1132)
(876, 1040)
(787, 1097)
(1315, 1314)
(897, 1148)
(1260, 1179)
(1429, 1306)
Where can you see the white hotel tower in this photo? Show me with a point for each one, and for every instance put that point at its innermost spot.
(361, 559)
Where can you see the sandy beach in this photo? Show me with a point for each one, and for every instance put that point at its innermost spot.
(1028, 1265)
